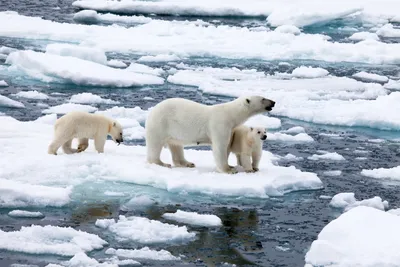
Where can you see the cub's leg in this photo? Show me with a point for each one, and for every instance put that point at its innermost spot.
(246, 162)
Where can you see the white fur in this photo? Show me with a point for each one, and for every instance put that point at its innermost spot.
(178, 122)
(246, 144)
(84, 126)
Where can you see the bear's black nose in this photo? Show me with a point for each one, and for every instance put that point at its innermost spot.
(263, 137)
(272, 103)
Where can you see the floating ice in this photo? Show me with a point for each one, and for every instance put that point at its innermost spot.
(145, 231)
(18, 194)
(140, 68)
(388, 31)
(361, 36)
(89, 98)
(80, 259)
(7, 50)
(332, 173)
(143, 253)
(86, 53)
(159, 58)
(8, 102)
(116, 63)
(327, 156)
(194, 218)
(354, 239)
(295, 130)
(288, 29)
(263, 121)
(91, 16)
(348, 201)
(309, 72)
(291, 157)
(3, 83)
(383, 173)
(64, 241)
(370, 77)
(76, 70)
(301, 137)
(25, 214)
(184, 38)
(32, 95)
(392, 85)
(68, 107)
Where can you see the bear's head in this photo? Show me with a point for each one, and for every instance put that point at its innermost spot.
(258, 132)
(259, 104)
(116, 132)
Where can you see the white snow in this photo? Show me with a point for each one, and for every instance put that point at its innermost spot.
(332, 173)
(194, 218)
(116, 63)
(86, 53)
(263, 121)
(184, 39)
(145, 231)
(46, 67)
(288, 29)
(8, 102)
(25, 214)
(370, 77)
(32, 95)
(3, 83)
(22, 141)
(309, 72)
(64, 241)
(327, 156)
(143, 253)
(68, 107)
(91, 16)
(159, 58)
(348, 201)
(20, 194)
(363, 236)
(301, 137)
(89, 98)
(388, 31)
(383, 173)
(361, 36)
(394, 211)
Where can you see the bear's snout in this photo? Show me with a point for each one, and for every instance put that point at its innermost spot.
(269, 104)
(120, 140)
(264, 137)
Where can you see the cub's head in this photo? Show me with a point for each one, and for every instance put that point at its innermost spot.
(258, 132)
(115, 131)
(259, 104)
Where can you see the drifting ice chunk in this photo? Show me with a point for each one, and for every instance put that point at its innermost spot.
(143, 253)
(194, 218)
(116, 63)
(354, 239)
(301, 137)
(382, 173)
(65, 108)
(8, 102)
(91, 16)
(370, 77)
(361, 36)
(86, 53)
(25, 214)
(3, 83)
(388, 31)
(327, 156)
(348, 201)
(288, 29)
(32, 95)
(159, 58)
(89, 98)
(309, 72)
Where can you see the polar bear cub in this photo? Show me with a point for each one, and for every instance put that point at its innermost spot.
(178, 122)
(84, 126)
(246, 144)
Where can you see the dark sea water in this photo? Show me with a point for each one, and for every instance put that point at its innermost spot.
(265, 232)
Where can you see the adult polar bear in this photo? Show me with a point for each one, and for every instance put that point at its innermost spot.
(179, 122)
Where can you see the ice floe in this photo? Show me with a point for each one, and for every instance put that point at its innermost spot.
(361, 36)
(145, 231)
(116, 63)
(332, 173)
(86, 53)
(3, 83)
(80, 259)
(383, 173)
(25, 214)
(389, 31)
(300, 137)
(49, 67)
(143, 253)
(288, 29)
(347, 201)
(64, 241)
(295, 130)
(32, 95)
(89, 98)
(354, 239)
(370, 77)
(327, 156)
(159, 58)
(392, 85)
(140, 68)
(194, 218)
(68, 107)
(91, 16)
(8, 102)
(309, 72)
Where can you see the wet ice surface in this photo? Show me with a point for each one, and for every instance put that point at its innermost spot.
(274, 231)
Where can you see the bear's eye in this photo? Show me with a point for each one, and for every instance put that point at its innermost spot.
(120, 134)
(259, 132)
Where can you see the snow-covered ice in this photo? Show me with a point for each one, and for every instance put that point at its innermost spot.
(392, 85)
(159, 58)
(8, 102)
(25, 214)
(141, 68)
(347, 201)
(295, 130)
(3, 83)
(300, 137)
(363, 236)
(145, 231)
(80, 259)
(370, 77)
(327, 156)
(68, 107)
(48, 67)
(116, 63)
(32, 95)
(117, 162)
(91, 16)
(64, 241)
(194, 218)
(389, 30)
(143, 253)
(309, 72)
(89, 98)
(361, 36)
(291, 157)
(383, 173)
(86, 53)
(288, 29)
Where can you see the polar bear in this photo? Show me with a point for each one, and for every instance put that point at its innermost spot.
(247, 143)
(178, 122)
(84, 126)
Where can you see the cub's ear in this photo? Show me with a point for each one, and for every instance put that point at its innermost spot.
(248, 101)
(114, 124)
(251, 128)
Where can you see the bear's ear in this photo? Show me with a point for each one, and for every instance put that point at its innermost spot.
(114, 124)
(251, 128)
(248, 101)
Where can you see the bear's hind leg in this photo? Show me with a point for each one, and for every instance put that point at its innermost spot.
(178, 157)
(153, 152)
(67, 147)
(55, 145)
(83, 144)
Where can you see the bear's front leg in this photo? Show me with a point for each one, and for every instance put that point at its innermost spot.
(220, 144)
(246, 162)
(99, 142)
(256, 155)
(83, 144)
